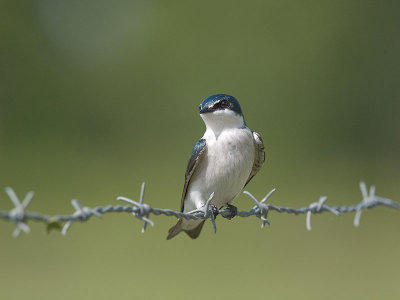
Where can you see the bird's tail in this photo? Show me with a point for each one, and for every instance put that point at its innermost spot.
(193, 233)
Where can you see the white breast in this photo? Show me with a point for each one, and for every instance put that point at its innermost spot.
(224, 169)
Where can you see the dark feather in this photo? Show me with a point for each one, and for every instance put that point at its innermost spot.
(176, 229)
(198, 150)
(196, 156)
(259, 157)
(194, 233)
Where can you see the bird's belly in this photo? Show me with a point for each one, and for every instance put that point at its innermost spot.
(223, 171)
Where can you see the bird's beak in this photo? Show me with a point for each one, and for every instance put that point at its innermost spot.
(206, 109)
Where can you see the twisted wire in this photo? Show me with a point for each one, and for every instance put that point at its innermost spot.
(19, 215)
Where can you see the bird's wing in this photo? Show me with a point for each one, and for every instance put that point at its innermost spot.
(197, 153)
(259, 156)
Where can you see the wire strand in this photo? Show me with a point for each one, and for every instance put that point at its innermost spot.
(142, 211)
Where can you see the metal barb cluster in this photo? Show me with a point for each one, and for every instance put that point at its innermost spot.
(17, 214)
(316, 208)
(262, 207)
(142, 211)
(368, 198)
(82, 213)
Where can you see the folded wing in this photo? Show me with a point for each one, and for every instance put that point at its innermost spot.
(259, 156)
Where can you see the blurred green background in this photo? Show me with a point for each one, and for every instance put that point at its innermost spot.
(98, 96)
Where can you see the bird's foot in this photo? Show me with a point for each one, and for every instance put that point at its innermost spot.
(214, 210)
(233, 211)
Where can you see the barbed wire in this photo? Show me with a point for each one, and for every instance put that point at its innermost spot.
(19, 215)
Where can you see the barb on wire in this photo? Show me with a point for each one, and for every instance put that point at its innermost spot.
(367, 199)
(208, 212)
(142, 211)
(262, 212)
(81, 213)
(17, 214)
(316, 207)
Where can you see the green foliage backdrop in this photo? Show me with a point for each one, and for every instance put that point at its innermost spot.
(98, 96)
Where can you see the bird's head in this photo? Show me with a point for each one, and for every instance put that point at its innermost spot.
(221, 111)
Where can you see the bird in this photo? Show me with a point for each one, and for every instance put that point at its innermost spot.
(222, 162)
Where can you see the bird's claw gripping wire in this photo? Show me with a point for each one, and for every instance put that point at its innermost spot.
(232, 211)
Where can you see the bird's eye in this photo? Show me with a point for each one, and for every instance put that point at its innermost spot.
(224, 103)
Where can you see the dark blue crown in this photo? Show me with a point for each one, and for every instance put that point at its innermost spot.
(219, 102)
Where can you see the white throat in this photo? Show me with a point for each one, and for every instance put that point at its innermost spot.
(220, 120)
